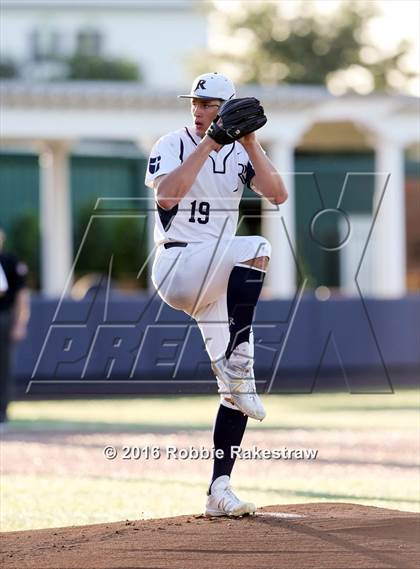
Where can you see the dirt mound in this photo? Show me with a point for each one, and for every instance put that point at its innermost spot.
(313, 536)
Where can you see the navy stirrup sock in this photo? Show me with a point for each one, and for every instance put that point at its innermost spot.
(229, 428)
(243, 291)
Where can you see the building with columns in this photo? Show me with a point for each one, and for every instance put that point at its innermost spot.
(53, 118)
(155, 35)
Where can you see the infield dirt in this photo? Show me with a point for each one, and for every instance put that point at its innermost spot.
(304, 536)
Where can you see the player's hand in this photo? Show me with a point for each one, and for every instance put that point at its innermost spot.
(18, 333)
(211, 144)
(248, 139)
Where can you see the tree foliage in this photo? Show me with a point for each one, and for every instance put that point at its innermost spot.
(24, 241)
(95, 68)
(8, 69)
(310, 48)
(123, 239)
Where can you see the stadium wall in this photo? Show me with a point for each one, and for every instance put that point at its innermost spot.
(138, 345)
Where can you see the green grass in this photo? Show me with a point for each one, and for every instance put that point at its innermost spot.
(53, 501)
(316, 411)
(36, 501)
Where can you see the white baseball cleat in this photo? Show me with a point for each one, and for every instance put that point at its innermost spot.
(236, 379)
(223, 502)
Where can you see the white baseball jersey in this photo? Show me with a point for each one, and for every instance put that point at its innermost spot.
(210, 209)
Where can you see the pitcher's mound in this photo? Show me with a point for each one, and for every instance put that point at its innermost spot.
(313, 536)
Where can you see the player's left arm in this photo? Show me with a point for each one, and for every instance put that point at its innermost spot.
(21, 308)
(21, 314)
(267, 181)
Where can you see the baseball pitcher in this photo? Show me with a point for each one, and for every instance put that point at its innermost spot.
(198, 174)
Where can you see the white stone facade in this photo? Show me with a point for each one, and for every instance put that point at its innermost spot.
(157, 35)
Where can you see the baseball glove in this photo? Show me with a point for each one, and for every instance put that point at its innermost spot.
(236, 118)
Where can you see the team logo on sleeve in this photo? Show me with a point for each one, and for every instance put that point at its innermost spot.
(154, 164)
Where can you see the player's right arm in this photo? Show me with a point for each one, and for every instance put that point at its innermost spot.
(171, 186)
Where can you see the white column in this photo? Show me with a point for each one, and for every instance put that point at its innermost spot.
(388, 237)
(56, 218)
(276, 220)
(145, 145)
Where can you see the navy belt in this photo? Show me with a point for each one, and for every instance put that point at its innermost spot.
(174, 244)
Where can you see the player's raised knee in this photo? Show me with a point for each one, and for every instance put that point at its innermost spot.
(178, 298)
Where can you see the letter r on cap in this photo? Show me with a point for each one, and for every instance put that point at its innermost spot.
(200, 84)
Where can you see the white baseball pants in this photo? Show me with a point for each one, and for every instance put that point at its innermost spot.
(195, 279)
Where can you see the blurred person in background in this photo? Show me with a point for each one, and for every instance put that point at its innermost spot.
(14, 316)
